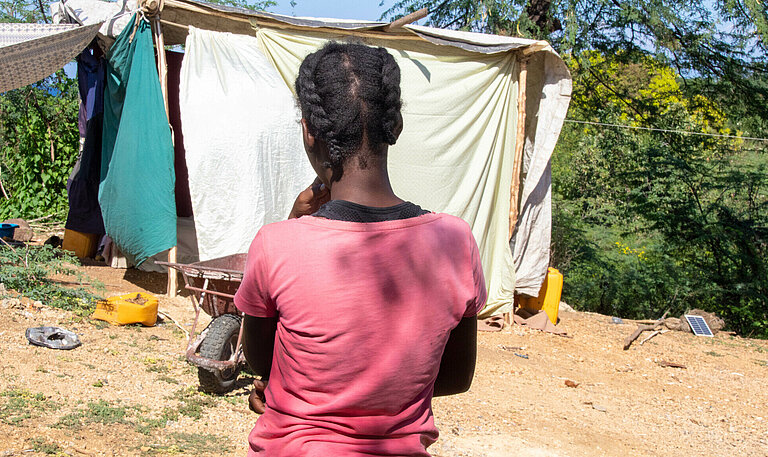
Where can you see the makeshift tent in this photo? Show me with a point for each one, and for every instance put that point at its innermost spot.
(477, 142)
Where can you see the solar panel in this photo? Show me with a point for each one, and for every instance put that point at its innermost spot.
(698, 325)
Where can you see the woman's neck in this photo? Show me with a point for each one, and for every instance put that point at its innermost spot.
(367, 186)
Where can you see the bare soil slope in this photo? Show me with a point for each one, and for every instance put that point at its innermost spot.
(128, 391)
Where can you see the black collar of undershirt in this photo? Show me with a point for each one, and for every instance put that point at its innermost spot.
(343, 210)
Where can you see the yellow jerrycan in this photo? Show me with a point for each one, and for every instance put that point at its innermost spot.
(549, 296)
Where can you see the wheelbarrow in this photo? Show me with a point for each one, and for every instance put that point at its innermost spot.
(217, 351)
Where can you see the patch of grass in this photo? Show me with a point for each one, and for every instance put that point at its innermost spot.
(100, 412)
(99, 324)
(156, 365)
(112, 337)
(41, 369)
(20, 404)
(192, 443)
(146, 425)
(713, 354)
(168, 379)
(28, 271)
(193, 402)
(235, 401)
(42, 445)
(98, 383)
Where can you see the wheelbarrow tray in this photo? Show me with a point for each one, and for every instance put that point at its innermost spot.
(213, 284)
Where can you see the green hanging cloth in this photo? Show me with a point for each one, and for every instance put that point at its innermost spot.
(136, 192)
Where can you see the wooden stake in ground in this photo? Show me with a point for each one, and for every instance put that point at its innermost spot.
(514, 188)
(162, 72)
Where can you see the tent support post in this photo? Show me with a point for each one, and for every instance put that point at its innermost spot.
(514, 189)
(162, 72)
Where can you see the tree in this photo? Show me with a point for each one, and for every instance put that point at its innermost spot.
(649, 219)
(722, 43)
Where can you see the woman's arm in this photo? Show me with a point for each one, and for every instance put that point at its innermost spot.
(457, 367)
(258, 345)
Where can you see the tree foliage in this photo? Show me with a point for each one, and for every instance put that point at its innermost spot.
(40, 142)
(647, 218)
(246, 4)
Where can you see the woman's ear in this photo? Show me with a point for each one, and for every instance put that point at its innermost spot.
(309, 139)
(398, 126)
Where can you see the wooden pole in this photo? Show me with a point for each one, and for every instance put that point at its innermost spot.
(514, 190)
(405, 20)
(162, 72)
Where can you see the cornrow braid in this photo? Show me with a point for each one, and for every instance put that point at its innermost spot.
(390, 88)
(348, 92)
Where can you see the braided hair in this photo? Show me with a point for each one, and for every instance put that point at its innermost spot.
(348, 92)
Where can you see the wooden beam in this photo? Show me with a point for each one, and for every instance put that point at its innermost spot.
(514, 189)
(405, 20)
(162, 73)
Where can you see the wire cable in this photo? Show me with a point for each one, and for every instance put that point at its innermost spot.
(686, 132)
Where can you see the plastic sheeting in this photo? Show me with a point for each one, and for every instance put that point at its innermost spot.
(137, 178)
(242, 138)
(549, 89)
(455, 154)
(111, 16)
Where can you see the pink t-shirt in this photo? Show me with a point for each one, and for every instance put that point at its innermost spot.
(365, 310)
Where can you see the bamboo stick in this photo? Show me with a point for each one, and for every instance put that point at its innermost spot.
(514, 190)
(162, 72)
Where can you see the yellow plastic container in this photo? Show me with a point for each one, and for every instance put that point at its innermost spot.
(133, 308)
(549, 296)
(82, 244)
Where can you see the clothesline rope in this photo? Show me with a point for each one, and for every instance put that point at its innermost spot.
(686, 132)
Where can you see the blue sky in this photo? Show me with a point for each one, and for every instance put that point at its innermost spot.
(368, 10)
(340, 9)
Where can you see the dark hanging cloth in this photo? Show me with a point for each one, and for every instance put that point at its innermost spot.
(83, 190)
(183, 198)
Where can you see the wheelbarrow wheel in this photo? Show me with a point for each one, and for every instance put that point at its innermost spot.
(220, 343)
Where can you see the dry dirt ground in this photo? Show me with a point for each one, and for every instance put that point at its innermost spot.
(128, 391)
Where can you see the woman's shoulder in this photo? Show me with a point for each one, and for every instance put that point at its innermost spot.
(454, 221)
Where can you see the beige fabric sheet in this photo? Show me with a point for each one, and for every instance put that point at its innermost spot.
(455, 154)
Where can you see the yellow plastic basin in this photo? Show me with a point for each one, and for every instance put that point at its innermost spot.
(133, 308)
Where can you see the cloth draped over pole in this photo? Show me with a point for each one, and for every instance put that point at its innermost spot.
(31, 52)
(83, 188)
(242, 139)
(137, 177)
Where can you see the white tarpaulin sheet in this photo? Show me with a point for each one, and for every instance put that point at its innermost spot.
(113, 16)
(242, 139)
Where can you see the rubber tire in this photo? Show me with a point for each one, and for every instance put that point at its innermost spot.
(218, 344)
